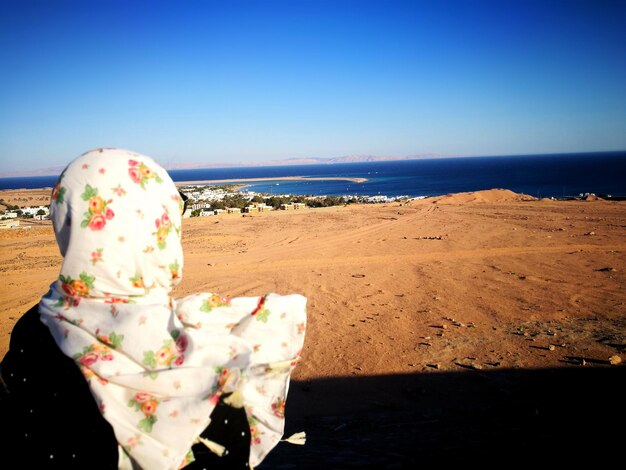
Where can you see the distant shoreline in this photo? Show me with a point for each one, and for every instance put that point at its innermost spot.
(560, 177)
(278, 178)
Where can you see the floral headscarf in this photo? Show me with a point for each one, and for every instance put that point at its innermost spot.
(157, 366)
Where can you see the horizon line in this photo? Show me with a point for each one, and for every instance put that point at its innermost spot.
(56, 170)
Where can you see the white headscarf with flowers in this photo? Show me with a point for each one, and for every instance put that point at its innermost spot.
(157, 366)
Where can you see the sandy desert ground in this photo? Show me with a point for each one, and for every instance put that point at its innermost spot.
(30, 197)
(438, 329)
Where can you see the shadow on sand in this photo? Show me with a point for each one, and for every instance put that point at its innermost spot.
(498, 418)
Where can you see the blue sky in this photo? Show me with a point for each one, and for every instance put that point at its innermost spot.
(201, 81)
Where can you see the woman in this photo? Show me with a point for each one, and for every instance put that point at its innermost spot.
(174, 380)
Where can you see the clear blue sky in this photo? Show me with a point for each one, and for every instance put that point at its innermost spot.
(190, 81)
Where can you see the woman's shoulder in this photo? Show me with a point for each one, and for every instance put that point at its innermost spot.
(30, 332)
(30, 338)
(31, 315)
(33, 355)
(42, 387)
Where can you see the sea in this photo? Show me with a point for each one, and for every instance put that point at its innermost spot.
(555, 175)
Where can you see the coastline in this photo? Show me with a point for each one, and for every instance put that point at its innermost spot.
(244, 181)
(561, 177)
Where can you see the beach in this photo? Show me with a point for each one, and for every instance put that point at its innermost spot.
(420, 312)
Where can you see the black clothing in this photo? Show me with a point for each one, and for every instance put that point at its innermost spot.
(53, 421)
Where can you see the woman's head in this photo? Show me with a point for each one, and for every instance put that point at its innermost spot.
(117, 220)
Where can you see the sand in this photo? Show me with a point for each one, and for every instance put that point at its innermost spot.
(407, 303)
(26, 197)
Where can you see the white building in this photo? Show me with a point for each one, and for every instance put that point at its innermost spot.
(200, 205)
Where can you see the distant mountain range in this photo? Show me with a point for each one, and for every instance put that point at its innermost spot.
(48, 171)
(289, 161)
(305, 161)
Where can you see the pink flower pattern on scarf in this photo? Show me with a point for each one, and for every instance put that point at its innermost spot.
(157, 365)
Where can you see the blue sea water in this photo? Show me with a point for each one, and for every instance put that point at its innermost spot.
(538, 175)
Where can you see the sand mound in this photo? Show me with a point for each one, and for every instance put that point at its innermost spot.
(491, 195)
(593, 197)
